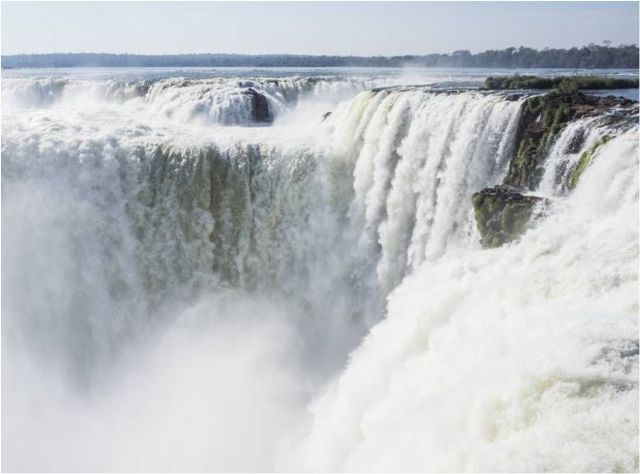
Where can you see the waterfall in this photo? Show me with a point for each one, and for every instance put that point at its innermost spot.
(226, 101)
(487, 356)
(417, 157)
(151, 228)
(187, 218)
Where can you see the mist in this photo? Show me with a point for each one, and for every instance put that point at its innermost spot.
(285, 271)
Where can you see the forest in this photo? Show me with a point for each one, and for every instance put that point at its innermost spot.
(591, 56)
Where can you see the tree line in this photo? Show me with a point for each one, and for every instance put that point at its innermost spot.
(591, 56)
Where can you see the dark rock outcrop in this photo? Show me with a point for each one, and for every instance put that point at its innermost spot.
(542, 119)
(260, 111)
(503, 214)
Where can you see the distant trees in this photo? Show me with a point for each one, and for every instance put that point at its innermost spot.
(588, 57)
(591, 56)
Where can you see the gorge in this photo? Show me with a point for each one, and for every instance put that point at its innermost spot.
(210, 271)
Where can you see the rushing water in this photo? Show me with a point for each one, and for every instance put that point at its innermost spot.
(189, 288)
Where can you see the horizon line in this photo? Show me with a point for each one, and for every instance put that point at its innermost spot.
(320, 55)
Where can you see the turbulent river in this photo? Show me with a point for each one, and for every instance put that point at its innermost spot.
(281, 270)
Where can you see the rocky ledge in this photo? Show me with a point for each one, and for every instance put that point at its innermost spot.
(260, 111)
(542, 119)
(503, 214)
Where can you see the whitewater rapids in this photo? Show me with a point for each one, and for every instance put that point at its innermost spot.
(185, 289)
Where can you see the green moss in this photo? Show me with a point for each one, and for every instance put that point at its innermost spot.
(518, 82)
(540, 122)
(542, 119)
(564, 84)
(585, 160)
(502, 214)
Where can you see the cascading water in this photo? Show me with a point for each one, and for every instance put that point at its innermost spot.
(176, 290)
(417, 155)
(486, 357)
(189, 99)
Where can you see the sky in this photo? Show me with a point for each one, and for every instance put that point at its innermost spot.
(340, 28)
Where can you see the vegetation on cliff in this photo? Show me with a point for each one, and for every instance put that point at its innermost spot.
(565, 84)
(542, 118)
(585, 160)
(502, 214)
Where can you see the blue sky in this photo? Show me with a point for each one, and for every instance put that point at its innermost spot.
(359, 28)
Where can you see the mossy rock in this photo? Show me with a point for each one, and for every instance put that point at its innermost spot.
(503, 214)
(585, 160)
(542, 119)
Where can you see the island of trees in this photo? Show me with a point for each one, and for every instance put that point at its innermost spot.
(564, 84)
(591, 56)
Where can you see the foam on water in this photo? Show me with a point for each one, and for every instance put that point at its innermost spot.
(521, 358)
(167, 263)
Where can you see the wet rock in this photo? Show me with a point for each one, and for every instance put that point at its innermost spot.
(503, 214)
(583, 163)
(260, 111)
(576, 142)
(512, 97)
(541, 120)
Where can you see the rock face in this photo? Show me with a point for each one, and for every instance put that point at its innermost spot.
(502, 214)
(585, 160)
(542, 118)
(260, 111)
